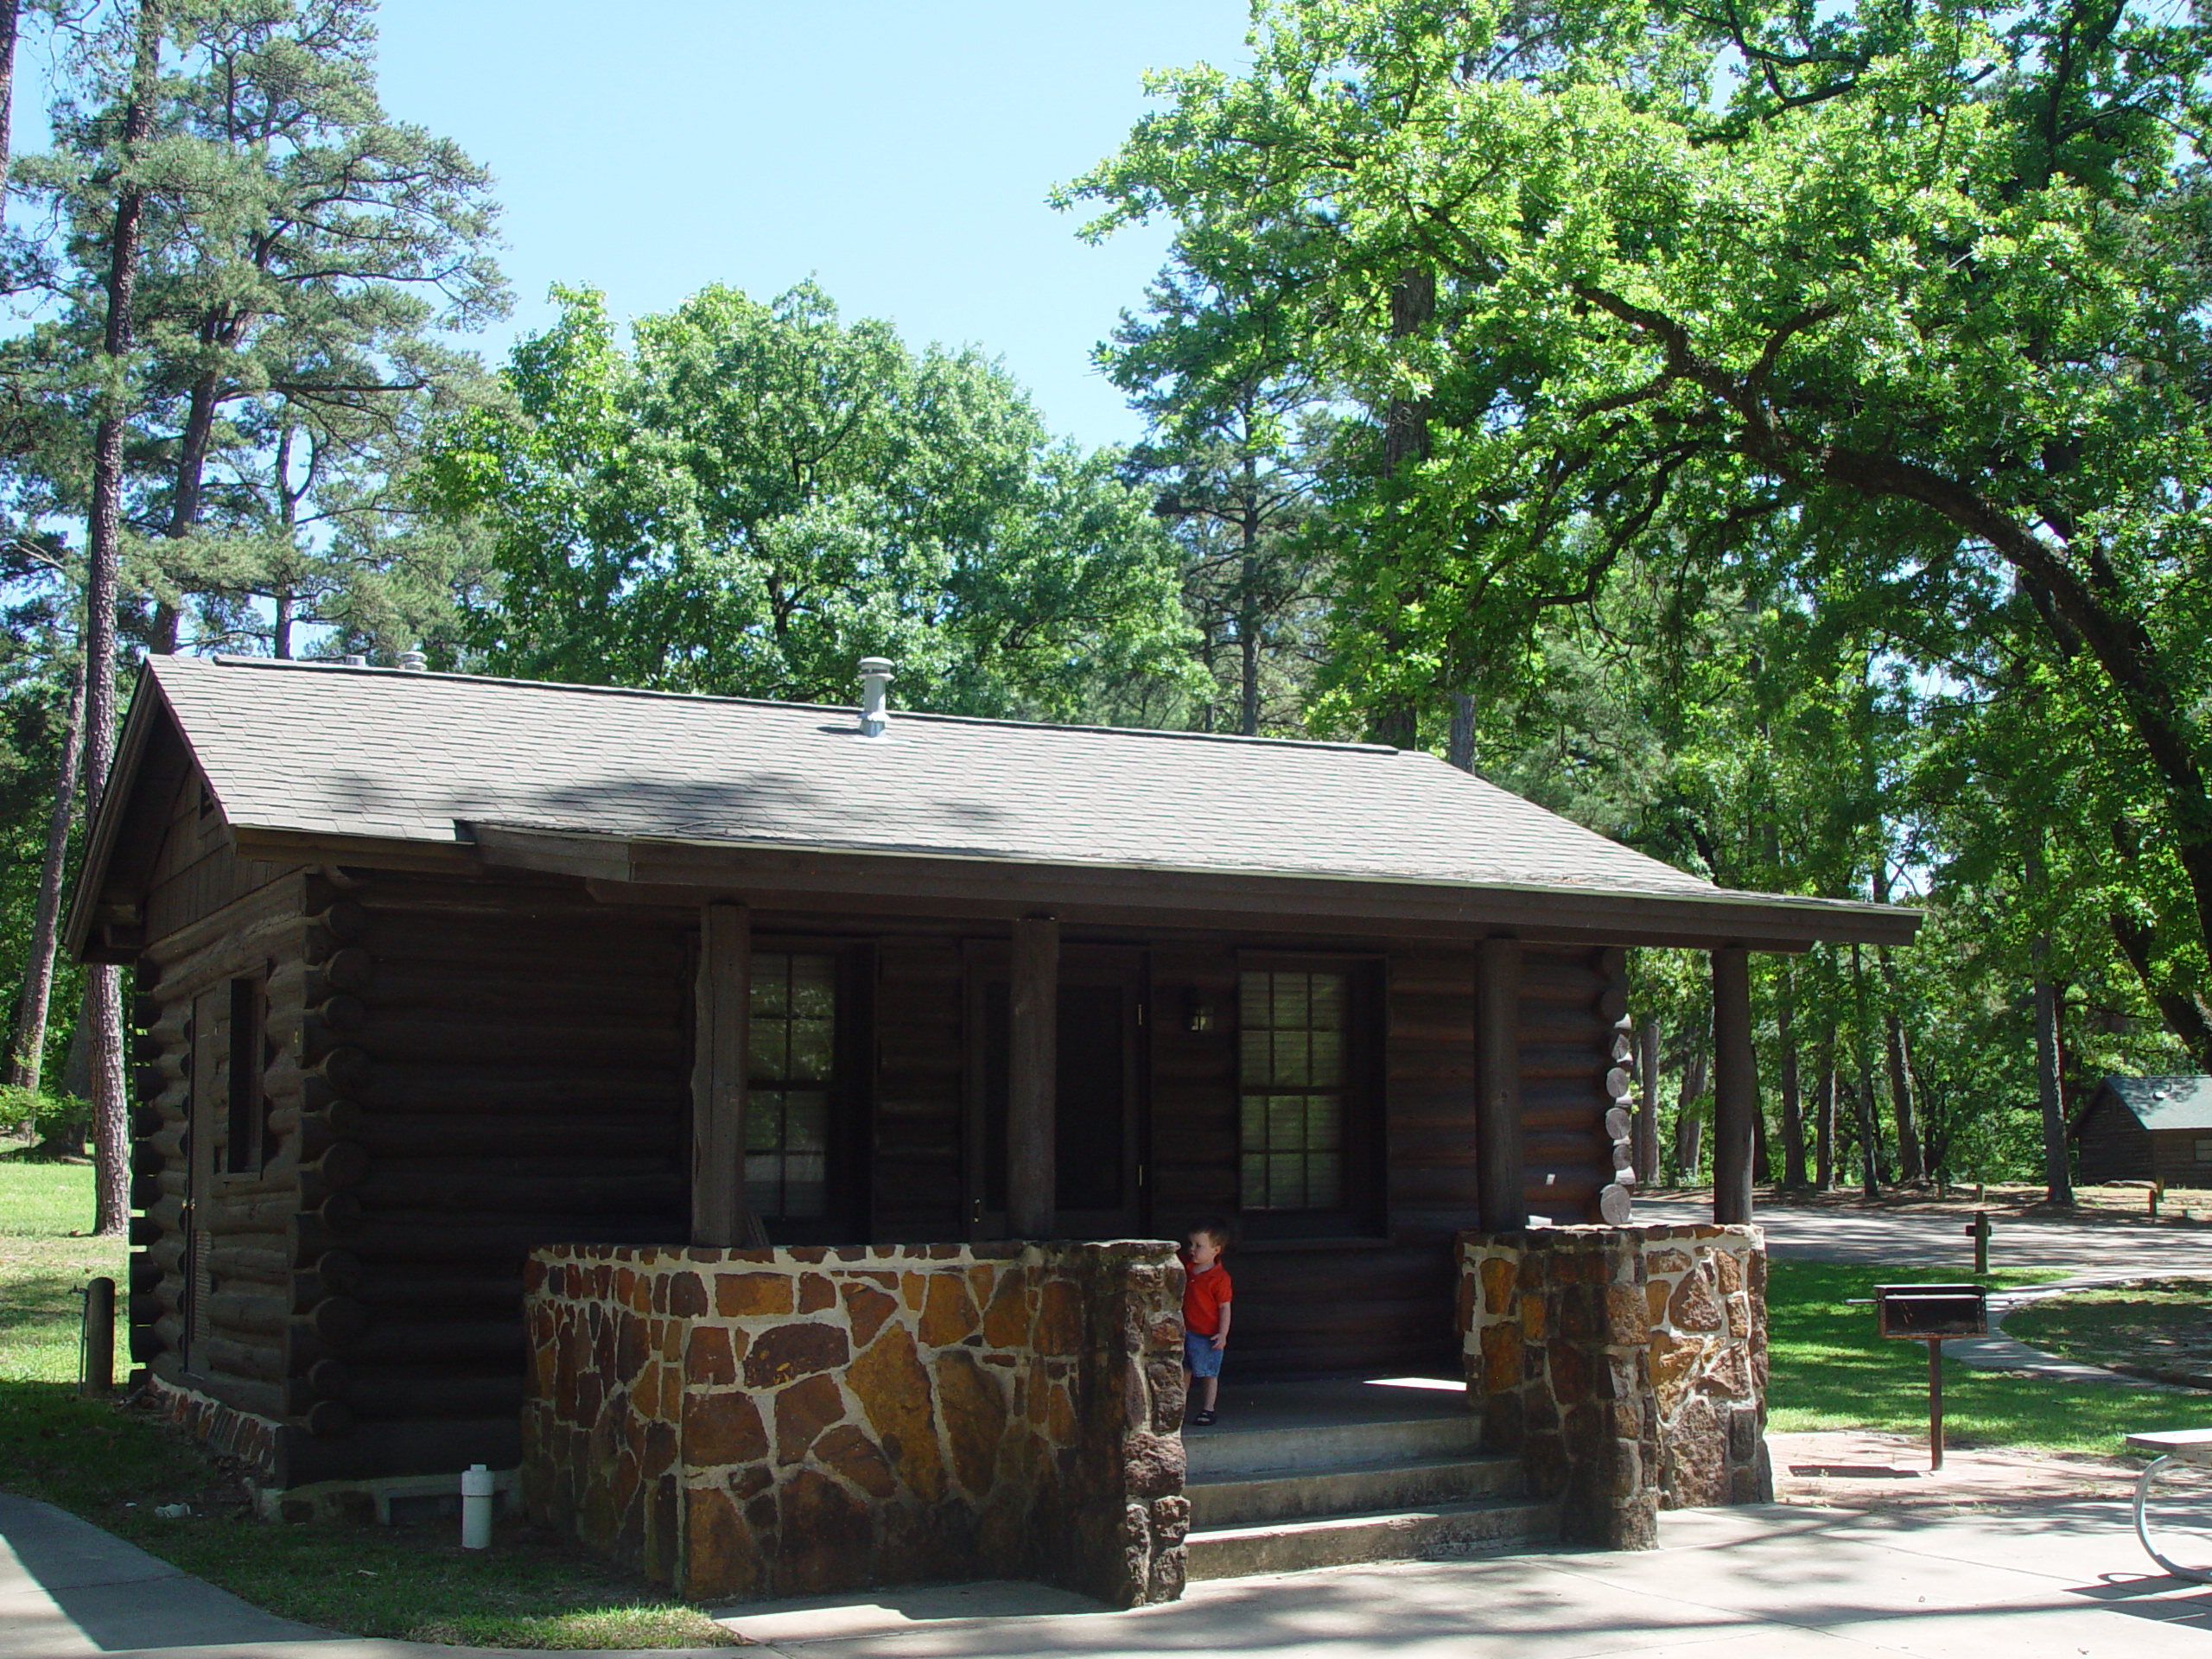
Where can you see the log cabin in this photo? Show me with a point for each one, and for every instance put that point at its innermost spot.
(430, 969)
(2147, 1129)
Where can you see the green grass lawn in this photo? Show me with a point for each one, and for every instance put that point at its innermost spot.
(2160, 1327)
(112, 1466)
(1830, 1371)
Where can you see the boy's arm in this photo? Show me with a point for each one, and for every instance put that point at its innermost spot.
(1221, 1332)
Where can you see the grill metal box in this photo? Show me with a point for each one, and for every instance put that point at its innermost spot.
(1919, 1312)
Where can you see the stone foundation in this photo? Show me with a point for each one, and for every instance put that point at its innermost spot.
(1626, 1365)
(763, 1422)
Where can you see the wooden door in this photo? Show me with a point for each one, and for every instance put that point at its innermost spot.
(1099, 1093)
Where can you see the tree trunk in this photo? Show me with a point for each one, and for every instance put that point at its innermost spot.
(1793, 1110)
(2058, 1179)
(1461, 751)
(29, 1053)
(10, 12)
(1646, 1141)
(280, 633)
(1870, 1141)
(104, 989)
(1824, 1112)
(1690, 1128)
(1247, 602)
(1912, 1168)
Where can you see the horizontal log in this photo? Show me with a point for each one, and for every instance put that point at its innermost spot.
(473, 1090)
(149, 1266)
(382, 1399)
(418, 1135)
(249, 1312)
(266, 1262)
(265, 1213)
(338, 1321)
(423, 1343)
(329, 1418)
(329, 1378)
(255, 1362)
(404, 1235)
(576, 1195)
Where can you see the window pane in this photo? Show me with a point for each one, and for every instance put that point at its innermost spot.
(1323, 1181)
(1259, 1069)
(1290, 1060)
(1286, 1180)
(1255, 1122)
(1328, 993)
(811, 1050)
(763, 1186)
(1289, 1012)
(766, 1042)
(770, 971)
(1325, 1116)
(814, 987)
(792, 1039)
(1253, 1001)
(1285, 1122)
(1256, 1181)
(805, 1192)
(1328, 1052)
(806, 1121)
(764, 1119)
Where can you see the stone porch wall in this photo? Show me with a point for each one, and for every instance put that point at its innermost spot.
(764, 1422)
(1627, 1366)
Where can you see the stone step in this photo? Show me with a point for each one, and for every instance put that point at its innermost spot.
(1443, 1530)
(1226, 1450)
(1247, 1500)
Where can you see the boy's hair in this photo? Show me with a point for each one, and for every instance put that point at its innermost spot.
(1216, 1231)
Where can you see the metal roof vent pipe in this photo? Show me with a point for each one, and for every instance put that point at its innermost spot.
(875, 686)
(414, 662)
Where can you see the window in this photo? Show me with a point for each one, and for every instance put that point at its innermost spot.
(791, 1069)
(2204, 1152)
(1294, 1076)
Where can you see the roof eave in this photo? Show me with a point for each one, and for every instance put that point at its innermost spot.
(1719, 916)
(148, 701)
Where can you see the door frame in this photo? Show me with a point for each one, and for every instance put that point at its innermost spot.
(987, 961)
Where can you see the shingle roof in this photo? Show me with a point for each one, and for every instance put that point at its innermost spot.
(2166, 1103)
(416, 757)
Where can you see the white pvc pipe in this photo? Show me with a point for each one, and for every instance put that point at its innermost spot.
(476, 1507)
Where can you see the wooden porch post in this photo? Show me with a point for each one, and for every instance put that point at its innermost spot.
(1504, 1205)
(1031, 1169)
(724, 988)
(1735, 1085)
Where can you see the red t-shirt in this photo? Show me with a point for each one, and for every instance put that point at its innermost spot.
(1205, 1294)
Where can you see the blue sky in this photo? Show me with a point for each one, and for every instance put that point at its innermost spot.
(899, 153)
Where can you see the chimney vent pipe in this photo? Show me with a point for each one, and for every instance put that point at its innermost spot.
(414, 662)
(875, 685)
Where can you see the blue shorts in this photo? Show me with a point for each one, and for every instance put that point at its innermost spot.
(1200, 1356)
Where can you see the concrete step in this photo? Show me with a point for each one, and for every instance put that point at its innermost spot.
(1445, 1529)
(1224, 1450)
(1355, 1489)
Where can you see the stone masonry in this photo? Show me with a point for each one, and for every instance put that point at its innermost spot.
(1627, 1366)
(747, 1423)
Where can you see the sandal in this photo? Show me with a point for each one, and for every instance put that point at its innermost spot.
(1201, 1420)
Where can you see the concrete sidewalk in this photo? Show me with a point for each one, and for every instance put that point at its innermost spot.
(2063, 1579)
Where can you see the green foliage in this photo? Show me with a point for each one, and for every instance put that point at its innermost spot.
(757, 496)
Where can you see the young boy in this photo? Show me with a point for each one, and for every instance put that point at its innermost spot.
(1205, 1315)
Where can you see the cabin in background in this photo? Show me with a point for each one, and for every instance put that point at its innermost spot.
(2147, 1129)
(435, 969)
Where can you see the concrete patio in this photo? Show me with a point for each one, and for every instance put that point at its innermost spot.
(2058, 1574)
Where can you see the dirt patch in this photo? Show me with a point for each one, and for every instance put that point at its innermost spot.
(1858, 1469)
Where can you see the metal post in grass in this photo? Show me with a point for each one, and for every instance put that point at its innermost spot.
(1978, 1230)
(1930, 1313)
(96, 1342)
